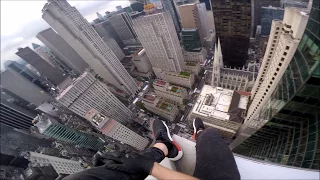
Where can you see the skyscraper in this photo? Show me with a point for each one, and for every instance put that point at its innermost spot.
(105, 29)
(115, 130)
(157, 35)
(81, 36)
(88, 92)
(286, 127)
(122, 23)
(50, 127)
(24, 88)
(63, 50)
(41, 65)
(191, 39)
(232, 21)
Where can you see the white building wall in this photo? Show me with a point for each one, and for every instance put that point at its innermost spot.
(158, 36)
(141, 61)
(60, 165)
(289, 38)
(114, 47)
(82, 37)
(203, 20)
(87, 93)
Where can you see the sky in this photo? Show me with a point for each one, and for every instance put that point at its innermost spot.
(21, 21)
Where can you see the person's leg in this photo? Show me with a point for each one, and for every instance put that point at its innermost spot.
(214, 159)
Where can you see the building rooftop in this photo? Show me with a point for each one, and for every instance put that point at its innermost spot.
(164, 106)
(248, 168)
(149, 97)
(159, 82)
(185, 74)
(191, 63)
(219, 102)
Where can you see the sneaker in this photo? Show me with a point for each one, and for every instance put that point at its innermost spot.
(162, 135)
(197, 125)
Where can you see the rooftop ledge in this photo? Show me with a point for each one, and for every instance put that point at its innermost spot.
(249, 168)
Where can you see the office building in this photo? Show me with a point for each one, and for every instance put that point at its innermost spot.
(88, 92)
(24, 88)
(232, 78)
(133, 63)
(15, 141)
(50, 127)
(41, 65)
(52, 59)
(15, 112)
(63, 50)
(182, 2)
(207, 3)
(115, 130)
(183, 78)
(122, 23)
(156, 34)
(141, 60)
(168, 5)
(105, 29)
(291, 130)
(60, 165)
(284, 100)
(221, 109)
(160, 107)
(137, 6)
(294, 3)
(195, 56)
(171, 93)
(232, 23)
(189, 16)
(193, 67)
(81, 36)
(191, 40)
(114, 47)
(204, 21)
(268, 14)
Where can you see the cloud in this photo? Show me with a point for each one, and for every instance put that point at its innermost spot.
(21, 21)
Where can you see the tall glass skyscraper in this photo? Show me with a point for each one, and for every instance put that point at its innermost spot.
(292, 134)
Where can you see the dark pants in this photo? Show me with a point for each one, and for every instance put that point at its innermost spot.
(214, 161)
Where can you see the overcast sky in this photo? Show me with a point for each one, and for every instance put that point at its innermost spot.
(21, 21)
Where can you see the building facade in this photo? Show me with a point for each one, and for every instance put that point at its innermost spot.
(291, 132)
(105, 29)
(60, 165)
(141, 60)
(191, 40)
(114, 47)
(63, 50)
(157, 35)
(268, 14)
(280, 100)
(232, 20)
(195, 56)
(24, 88)
(168, 5)
(193, 67)
(122, 23)
(174, 94)
(81, 36)
(221, 109)
(88, 92)
(184, 79)
(160, 107)
(115, 130)
(41, 65)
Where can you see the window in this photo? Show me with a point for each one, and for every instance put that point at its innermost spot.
(275, 74)
(280, 64)
(277, 28)
(287, 47)
(272, 78)
(285, 53)
(272, 49)
(277, 69)
(277, 32)
(282, 59)
(275, 36)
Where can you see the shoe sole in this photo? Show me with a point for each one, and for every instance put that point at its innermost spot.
(194, 130)
(180, 153)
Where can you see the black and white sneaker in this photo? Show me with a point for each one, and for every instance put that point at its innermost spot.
(162, 135)
(197, 125)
